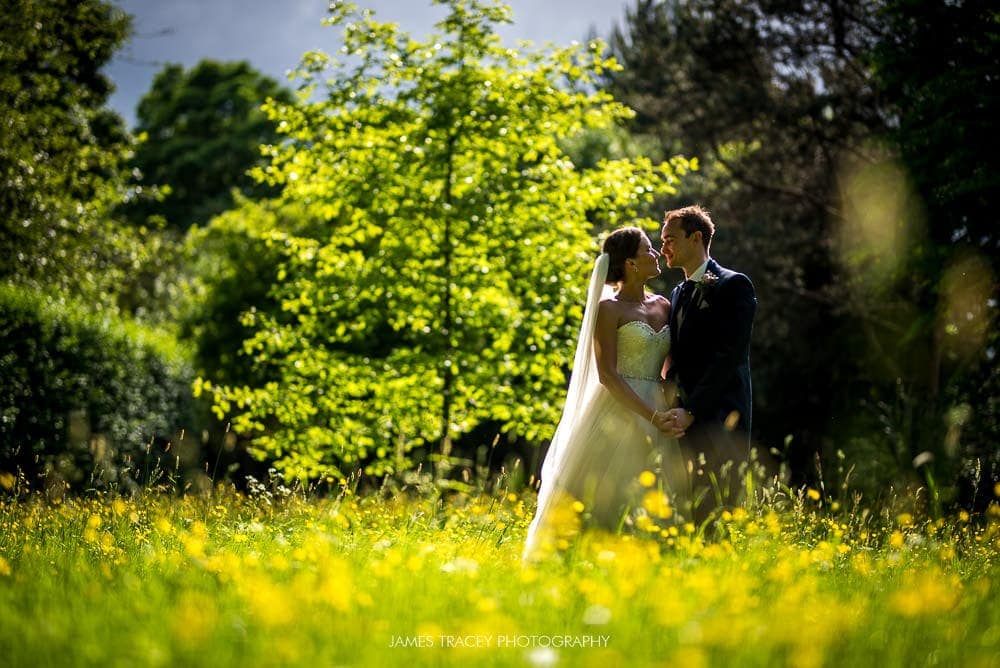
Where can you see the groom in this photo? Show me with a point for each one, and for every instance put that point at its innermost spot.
(711, 318)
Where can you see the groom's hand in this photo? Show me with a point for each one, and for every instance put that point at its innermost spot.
(684, 418)
(679, 420)
(667, 423)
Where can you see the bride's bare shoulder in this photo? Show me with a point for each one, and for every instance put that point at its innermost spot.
(659, 303)
(609, 304)
(609, 308)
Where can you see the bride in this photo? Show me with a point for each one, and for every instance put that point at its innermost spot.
(614, 425)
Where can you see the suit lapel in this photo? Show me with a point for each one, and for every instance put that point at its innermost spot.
(674, 296)
(684, 310)
(694, 302)
(688, 309)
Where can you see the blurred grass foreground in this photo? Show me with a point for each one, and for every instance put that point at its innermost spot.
(279, 578)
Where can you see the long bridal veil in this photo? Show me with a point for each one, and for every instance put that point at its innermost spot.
(584, 382)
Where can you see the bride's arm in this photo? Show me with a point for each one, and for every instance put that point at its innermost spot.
(606, 356)
(668, 361)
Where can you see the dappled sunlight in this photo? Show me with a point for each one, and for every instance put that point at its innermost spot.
(965, 316)
(882, 220)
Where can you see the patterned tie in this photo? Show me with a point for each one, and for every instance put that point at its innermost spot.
(683, 299)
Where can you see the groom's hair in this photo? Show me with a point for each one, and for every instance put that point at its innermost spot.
(621, 245)
(693, 219)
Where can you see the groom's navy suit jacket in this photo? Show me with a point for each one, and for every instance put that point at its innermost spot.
(710, 350)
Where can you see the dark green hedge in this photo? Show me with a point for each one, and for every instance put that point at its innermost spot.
(87, 399)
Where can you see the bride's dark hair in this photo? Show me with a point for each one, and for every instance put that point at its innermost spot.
(621, 245)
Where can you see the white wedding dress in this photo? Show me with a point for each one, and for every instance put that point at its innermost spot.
(600, 446)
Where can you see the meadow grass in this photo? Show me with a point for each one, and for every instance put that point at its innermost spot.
(285, 579)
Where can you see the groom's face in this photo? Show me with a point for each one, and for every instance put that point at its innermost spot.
(679, 249)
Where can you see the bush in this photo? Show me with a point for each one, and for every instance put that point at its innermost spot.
(85, 396)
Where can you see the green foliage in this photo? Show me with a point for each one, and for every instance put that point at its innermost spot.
(60, 147)
(234, 263)
(589, 147)
(201, 132)
(445, 286)
(82, 394)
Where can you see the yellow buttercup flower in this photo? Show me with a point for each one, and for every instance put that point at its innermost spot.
(486, 604)
(657, 504)
(647, 478)
(927, 595)
(93, 524)
(194, 619)
(645, 524)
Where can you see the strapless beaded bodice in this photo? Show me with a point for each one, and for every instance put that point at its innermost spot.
(641, 350)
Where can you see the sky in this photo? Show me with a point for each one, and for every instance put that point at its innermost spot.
(273, 34)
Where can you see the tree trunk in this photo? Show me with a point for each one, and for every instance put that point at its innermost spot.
(447, 372)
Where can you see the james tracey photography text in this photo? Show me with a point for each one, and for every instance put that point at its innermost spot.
(498, 641)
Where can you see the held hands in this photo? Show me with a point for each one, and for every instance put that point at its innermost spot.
(673, 422)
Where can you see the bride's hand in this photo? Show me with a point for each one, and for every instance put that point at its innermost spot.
(666, 421)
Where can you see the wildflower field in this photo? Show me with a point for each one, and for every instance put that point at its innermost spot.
(285, 579)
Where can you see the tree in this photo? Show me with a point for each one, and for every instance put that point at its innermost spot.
(446, 287)
(60, 147)
(202, 132)
(943, 104)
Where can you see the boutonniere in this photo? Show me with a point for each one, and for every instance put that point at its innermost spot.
(704, 288)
